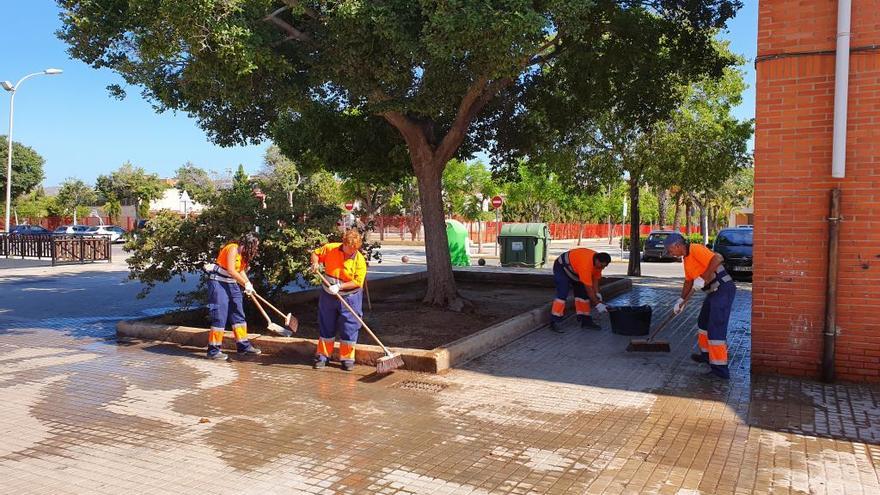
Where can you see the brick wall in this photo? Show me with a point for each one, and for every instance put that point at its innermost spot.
(794, 113)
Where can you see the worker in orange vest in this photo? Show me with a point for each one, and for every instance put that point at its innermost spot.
(346, 269)
(578, 269)
(226, 279)
(703, 269)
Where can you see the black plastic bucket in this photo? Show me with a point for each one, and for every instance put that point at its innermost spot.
(630, 320)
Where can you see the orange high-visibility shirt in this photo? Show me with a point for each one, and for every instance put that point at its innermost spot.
(581, 261)
(240, 265)
(697, 260)
(352, 269)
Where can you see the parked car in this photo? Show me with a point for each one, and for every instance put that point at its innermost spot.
(654, 246)
(735, 244)
(28, 230)
(114, 232)
(70, 230)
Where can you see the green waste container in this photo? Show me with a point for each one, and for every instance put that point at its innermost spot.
(524, 244)
(457, 236)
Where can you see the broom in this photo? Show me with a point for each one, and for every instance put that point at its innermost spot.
(272, 327)
(651, 345)
(385, 364)
(290, 321)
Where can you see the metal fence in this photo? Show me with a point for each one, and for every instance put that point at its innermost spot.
(58, 248)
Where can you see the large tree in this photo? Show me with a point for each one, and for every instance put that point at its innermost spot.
(27, 168)
(440, 73)
(703, 145)
(32, 206)
(197, 182)
(73, 196)
(130, 185)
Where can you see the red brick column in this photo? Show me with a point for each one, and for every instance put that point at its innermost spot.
(795, 104)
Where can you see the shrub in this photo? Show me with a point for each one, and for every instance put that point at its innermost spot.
(169, 246)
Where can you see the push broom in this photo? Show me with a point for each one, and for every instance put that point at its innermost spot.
(385, 364)
(290, 321)
(272, 327)
(651, 345)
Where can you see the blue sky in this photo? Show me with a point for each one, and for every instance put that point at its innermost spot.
(82, 132)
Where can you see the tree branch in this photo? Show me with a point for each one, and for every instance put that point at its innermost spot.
(479, 94)
(275, 13)
(292, 32)
(420, 150)
(539, 57)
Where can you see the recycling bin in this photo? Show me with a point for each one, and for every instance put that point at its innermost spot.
(524, 244)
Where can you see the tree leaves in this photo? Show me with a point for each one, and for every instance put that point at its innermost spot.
(27, 167)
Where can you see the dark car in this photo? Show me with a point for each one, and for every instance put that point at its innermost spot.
(655, 247)
(28, 230)
(735, 244)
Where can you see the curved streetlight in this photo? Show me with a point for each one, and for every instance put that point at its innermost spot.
(8, 86)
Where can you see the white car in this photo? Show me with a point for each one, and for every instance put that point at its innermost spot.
(115, 232)
(70, 230)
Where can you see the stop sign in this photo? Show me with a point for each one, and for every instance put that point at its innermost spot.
(497, 202)
(349, 205)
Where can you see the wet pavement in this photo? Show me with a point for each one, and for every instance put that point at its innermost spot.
(548, 413)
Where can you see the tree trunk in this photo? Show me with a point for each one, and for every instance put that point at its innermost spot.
(441, 283)
(713, 216)
(704, 222)
(479, 236)
(662, 206)
(580, 232)
(687, 216)
(635, 266)
(610, 231)
(676, 216)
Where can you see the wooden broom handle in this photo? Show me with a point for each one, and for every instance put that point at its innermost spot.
(669, 318)
(267, 303)
(361, 321)
(262, 311)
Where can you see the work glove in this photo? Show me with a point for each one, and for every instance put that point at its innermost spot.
(333, 289)
(249, 288)
(699, 283)
(316, 267)
(601, 308)
(679, 305)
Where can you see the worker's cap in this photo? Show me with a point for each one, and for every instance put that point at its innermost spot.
(674, 239)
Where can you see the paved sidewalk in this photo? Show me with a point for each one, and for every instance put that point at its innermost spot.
(549, 413)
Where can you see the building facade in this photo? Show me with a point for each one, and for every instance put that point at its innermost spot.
(793, 183)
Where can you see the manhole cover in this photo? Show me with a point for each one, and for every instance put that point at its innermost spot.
(421, 386)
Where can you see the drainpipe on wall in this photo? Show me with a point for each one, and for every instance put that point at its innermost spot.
(841, 89)
(830, 331)
(838, 171)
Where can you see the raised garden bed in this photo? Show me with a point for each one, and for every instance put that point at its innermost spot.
(507, 305)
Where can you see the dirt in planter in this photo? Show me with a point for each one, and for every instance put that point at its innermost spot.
(400, 319)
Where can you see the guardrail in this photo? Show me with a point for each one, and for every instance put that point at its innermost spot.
(58, 248)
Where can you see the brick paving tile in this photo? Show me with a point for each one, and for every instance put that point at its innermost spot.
(548, 413)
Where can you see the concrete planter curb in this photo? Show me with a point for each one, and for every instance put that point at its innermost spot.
(435, 360)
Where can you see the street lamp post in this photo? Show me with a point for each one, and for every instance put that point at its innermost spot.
(12, 89)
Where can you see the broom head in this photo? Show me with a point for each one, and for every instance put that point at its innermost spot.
(279, 330)
(388, 363)
(291, 322)
(642, 345)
